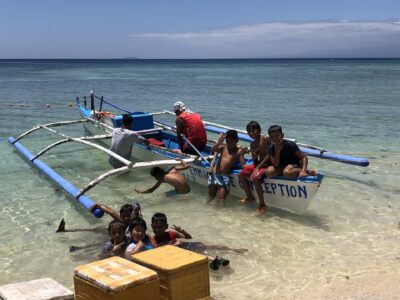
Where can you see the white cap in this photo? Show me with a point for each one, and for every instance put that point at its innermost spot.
(179, 106)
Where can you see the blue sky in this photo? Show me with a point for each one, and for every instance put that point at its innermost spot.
(199, 29)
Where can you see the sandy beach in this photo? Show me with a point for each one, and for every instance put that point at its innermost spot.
(374, 284)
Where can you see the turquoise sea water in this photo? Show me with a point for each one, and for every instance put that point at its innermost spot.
(345, 106)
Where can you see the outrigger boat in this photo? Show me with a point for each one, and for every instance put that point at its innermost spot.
(290, 194)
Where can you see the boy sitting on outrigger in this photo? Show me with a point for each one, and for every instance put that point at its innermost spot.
(172, 177)
(286, 157)
(225, 157)
(256, 171)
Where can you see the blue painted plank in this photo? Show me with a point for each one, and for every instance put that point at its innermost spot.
(68, 187)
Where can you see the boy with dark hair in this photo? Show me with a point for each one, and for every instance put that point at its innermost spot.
(256, 171)
(162, 237)
(118, 241)
(140, 241)
(286, 157)
(126, 212)
(172, 177)
(122, 141)
(226, 156)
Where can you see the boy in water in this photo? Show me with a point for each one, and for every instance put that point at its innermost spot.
(286, 157)
(118, 241)
(256, 172)
(172, 177)
(140, 241)
(226, 156)
(162, 237)
(126, 212)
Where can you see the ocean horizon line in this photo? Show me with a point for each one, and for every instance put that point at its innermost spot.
(203, 59)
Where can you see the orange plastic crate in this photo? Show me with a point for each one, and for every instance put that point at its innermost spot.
(183, 274)
(115, 278)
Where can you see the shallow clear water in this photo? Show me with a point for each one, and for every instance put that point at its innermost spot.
(346, 106)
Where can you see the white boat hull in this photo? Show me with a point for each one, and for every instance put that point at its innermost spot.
(293, 195)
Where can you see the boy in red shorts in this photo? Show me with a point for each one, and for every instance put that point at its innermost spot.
(256, 172)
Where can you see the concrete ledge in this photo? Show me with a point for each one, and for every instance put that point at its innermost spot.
(40, 289)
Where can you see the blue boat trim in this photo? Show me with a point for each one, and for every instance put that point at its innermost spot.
(351, 160)
(68, 187)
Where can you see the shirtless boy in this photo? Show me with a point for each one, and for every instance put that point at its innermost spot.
(256, 172)
(172, 177)
(227, 155)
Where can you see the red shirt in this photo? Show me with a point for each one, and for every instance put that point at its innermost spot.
(193, 129)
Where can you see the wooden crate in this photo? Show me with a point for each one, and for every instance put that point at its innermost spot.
(115, 278)
(183, 274)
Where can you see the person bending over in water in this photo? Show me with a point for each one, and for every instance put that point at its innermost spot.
(226, 156)
(172, 177)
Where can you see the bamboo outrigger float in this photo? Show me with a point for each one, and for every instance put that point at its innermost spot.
(289, 194)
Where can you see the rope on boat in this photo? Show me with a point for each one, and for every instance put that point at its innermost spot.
(112, 105)
(39, 106)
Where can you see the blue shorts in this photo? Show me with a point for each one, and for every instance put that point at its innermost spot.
(175, 193)
(221, 180)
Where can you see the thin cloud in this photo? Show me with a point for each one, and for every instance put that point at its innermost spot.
(281, 39)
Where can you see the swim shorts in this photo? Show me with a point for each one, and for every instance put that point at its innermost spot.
(221, 180)
(175, 193)
(248, 170)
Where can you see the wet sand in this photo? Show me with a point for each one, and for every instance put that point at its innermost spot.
(374, 284)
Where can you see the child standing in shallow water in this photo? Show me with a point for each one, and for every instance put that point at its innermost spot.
(227, 155)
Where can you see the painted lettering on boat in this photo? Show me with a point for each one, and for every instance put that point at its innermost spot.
(285, 190)
(295, 190)
(201, 173)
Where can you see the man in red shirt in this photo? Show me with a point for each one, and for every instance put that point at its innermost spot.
(190, 125)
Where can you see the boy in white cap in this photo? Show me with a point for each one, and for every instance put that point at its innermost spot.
(190, 125)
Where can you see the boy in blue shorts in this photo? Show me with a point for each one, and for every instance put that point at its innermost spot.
(286, 157)
(226, 156)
